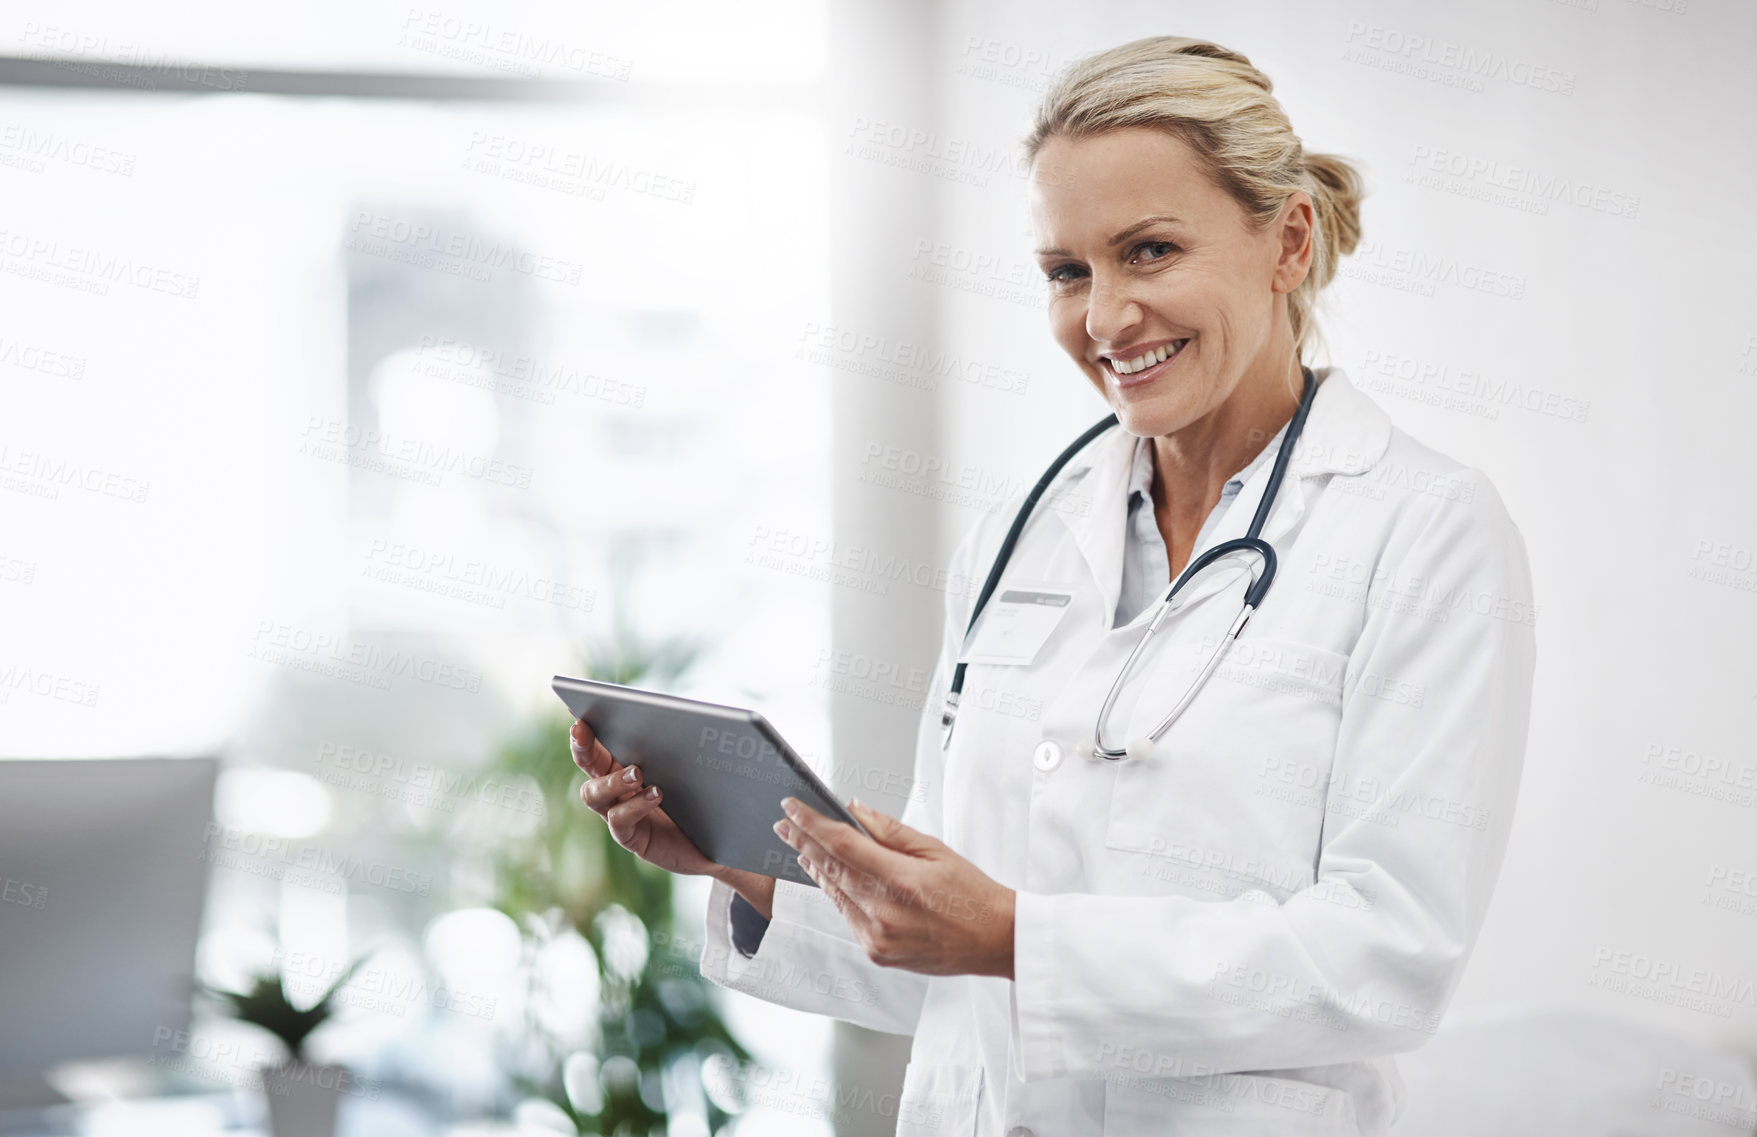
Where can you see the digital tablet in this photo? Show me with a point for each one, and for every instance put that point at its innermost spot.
(723, 770)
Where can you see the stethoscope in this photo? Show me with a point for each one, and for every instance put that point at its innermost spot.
(1250, 543)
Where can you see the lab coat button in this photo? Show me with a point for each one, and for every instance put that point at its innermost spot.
(1020, 1131)
(1048, 756)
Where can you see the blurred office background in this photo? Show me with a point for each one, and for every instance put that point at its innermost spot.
(362, 368)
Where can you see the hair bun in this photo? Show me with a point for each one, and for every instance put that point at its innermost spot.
(1338, 199)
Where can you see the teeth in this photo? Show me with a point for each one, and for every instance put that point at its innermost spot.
(1147, 359)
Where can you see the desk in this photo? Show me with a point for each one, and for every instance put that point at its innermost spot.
(234, 1113)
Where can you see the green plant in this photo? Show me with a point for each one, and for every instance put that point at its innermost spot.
(571, 874)
(266, 1004)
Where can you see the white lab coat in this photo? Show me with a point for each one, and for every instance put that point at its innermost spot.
(1235, 935)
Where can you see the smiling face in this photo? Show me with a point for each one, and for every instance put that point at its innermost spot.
(1171, 305)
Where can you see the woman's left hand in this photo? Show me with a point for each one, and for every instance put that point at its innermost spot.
(911, 902)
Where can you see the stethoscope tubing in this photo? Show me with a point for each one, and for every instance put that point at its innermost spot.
(1251, 542)
(949, 716)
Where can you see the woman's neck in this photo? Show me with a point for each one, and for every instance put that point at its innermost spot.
(1192, 466)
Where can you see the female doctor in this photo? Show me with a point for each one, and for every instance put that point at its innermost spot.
(1095, 923)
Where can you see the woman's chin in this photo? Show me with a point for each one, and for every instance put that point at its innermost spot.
(1144, 413)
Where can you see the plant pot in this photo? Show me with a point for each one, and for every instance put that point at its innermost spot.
(303, 1099)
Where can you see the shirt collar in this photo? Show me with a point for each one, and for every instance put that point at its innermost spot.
(1141, 473)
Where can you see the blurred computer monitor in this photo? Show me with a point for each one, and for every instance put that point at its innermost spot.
(101, 890)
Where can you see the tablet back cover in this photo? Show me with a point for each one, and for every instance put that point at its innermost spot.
(723, 770)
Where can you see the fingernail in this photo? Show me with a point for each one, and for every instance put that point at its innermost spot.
(652, 793)
(790, 807)
(856, 803)
(631, 775)
(783, 831)
(805, 862)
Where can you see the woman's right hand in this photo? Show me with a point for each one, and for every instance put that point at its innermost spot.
(617, 794)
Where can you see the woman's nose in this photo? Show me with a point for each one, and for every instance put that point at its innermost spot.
(1111, 310)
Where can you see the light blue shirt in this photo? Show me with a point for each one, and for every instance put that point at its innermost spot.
(1146, 562)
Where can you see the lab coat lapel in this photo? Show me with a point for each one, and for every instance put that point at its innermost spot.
(1099, 535)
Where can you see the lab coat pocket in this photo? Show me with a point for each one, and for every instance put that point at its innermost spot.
(1227, 1105)
(1232, 797)
(939, 1100)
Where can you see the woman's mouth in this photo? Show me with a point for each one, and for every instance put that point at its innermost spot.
(1143, 366)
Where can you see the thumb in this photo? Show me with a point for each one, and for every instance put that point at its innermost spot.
(890, 832)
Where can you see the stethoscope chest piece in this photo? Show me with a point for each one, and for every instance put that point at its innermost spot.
(1140, 750)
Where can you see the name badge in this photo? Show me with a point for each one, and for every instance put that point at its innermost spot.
(1014, 625)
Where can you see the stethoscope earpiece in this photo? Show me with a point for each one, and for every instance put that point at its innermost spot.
(1141, 749)
(1087, 749)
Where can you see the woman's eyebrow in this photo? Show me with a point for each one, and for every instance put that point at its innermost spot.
(1123, 236)
(1142, 224)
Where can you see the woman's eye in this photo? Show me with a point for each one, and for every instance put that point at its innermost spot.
(1155, 250)
(1063, 274)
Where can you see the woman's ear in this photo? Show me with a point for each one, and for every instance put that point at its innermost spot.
(1295, 232)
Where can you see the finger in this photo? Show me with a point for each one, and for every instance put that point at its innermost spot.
(841, 841)
(583, 737)
(827, 884)
(806, 831)
(625, 816)
(859, 920)
(586, 744)
(600, 799)
(588, 753)
(802, 844)
(857, 885)
(890, 832)
(602, 793)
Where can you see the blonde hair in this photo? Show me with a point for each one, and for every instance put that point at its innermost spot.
(1219, 105)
